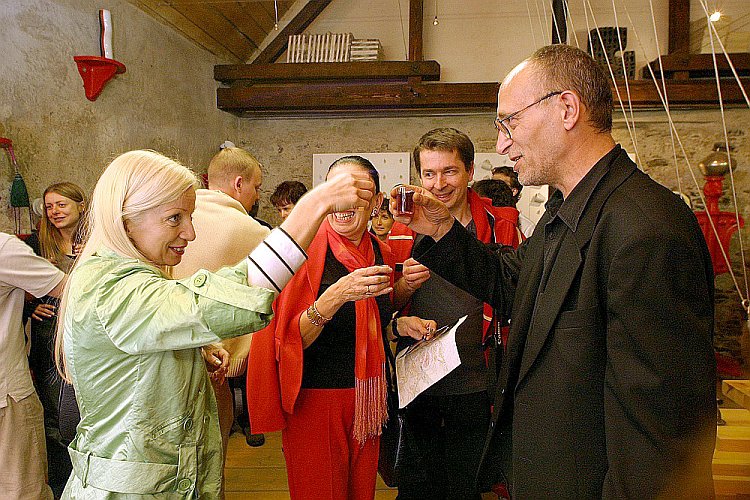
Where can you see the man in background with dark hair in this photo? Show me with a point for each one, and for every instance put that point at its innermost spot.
(608, 388)
(450, 418)
(510, 178)
(286, 195)
(497, 191)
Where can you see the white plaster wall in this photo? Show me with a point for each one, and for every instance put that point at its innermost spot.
(481, 40)
(733, 25)
(165, 101)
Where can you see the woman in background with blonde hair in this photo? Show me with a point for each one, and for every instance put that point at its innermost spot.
(130, 334)
(57, 241)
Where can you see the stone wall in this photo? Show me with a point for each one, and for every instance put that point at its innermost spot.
(286, 146)
(165, 101)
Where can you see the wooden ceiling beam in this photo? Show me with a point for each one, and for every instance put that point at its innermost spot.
(322, 97)
(408, 98)
(679, 26)
(297, 25)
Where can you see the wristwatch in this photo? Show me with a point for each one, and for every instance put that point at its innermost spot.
(394, 328)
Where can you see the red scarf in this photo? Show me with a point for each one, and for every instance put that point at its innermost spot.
(276, 355)
(371, 409)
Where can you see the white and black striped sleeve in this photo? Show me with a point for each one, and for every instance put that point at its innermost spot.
(273, 263)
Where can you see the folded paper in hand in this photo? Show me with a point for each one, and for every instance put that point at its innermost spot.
(424, 363)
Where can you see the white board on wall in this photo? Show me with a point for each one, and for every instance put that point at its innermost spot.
(393, 168)
(532, 199)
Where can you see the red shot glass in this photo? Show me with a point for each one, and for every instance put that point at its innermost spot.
(405, 201)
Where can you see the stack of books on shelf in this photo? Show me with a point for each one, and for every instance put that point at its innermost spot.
(366, 49)
(329, 47)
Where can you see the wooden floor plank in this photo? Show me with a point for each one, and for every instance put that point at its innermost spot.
(738, 391)
(260, 472)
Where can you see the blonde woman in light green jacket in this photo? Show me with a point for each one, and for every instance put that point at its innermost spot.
(130, 336)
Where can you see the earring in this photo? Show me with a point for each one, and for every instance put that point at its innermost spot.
(373, 213)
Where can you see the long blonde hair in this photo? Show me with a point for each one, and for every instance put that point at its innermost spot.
(51, 244)
(132, 183)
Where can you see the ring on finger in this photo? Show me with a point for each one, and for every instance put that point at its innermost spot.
(368, 290)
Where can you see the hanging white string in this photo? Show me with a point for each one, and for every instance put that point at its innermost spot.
(627, 86)
(611, 71)
(684, 154)
(726, 141)
(730, 63)
(737, 25)
(547, 22)
(403, 34)
(572, 27)
(276, 14)
(531, 25)
(539, 17)
(666, 96)
(588, 26)
(675, 134)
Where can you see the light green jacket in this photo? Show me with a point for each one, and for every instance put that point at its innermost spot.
(149, 425)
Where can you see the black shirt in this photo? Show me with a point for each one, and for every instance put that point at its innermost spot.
(328, 363)
(565, 213)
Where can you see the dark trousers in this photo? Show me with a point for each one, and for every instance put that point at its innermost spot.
(450, 433)
(239, 397)
(47, 383)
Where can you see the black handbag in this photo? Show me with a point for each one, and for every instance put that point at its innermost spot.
(400, 460)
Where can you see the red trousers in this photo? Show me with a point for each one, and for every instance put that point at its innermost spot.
(323, 460)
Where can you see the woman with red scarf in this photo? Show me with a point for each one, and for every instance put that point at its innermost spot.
(317, 371)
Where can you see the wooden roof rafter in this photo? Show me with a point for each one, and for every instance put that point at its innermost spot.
(297, 24)
(393, 87)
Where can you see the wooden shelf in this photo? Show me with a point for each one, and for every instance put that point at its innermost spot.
(681, 66)
(405, 98)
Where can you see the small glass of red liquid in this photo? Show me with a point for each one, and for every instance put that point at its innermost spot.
(405, 201)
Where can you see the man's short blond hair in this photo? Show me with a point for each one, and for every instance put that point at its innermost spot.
(229, 163)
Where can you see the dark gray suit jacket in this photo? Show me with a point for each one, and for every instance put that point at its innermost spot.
(607, 389)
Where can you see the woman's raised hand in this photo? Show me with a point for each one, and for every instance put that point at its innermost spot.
(342, 191)
(345, 190)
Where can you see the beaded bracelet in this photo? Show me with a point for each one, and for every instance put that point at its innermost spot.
(315, 317)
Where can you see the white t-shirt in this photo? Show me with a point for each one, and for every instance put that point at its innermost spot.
(20, 270)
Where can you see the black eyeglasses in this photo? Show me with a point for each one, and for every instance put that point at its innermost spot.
(500, 123)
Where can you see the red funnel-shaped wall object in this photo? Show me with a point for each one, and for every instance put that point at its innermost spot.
(96, 72)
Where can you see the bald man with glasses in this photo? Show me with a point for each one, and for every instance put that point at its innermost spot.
(608, 385)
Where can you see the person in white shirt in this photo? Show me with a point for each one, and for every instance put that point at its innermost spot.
(23, 453)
